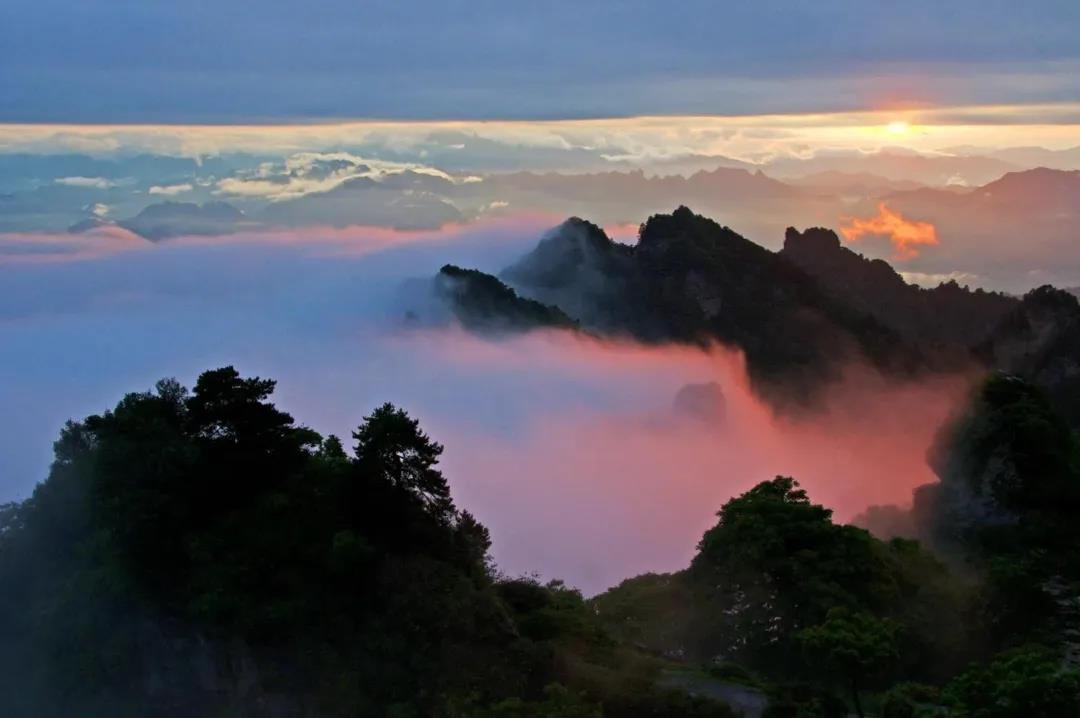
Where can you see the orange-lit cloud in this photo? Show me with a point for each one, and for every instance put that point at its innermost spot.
(907, 236)
(604, 493)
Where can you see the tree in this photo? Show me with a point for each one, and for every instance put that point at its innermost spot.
(858, 646)
(1028, 681)
(391, 446)
(774, 564)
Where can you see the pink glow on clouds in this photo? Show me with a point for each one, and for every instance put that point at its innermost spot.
(352, 241)
(607, 494)
(566, 446)
(624, 232)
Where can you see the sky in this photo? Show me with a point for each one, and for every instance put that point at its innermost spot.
(630, 78)
(235, 61)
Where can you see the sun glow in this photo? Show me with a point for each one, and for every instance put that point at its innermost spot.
(898, 128)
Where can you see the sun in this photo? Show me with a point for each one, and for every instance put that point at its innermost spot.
(897, 127)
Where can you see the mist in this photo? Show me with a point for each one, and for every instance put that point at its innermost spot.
(569, 448)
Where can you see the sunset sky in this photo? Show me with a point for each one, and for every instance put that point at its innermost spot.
(748, 79)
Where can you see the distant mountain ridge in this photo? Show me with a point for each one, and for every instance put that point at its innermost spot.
(165, 220)
(797, 313)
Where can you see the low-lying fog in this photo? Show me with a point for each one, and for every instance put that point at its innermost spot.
(573, 451)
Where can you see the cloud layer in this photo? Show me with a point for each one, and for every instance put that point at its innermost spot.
(569, 448)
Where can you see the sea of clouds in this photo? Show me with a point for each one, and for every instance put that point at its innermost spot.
(567, 446)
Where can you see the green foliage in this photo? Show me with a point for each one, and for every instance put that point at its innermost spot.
(1013, 451)
(734, 673)
(557, 702)
(213, 514)
(1027, 681)
(1007, 501)
(803, 700)
(775, 564)
(653, 610)
(908, 700)
(857, 646)
(205, 545)
(186, 534)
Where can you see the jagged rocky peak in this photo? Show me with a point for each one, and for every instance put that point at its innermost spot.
(574, 246)
(686, 238)
(681, 225)
(818, 250)
(813, 239)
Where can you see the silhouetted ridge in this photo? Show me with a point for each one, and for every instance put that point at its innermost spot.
(949, 314)
(578, 268)
(481, 301)
(691, 279)
(571, 249)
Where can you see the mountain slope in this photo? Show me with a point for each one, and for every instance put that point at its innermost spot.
(947, 314)
(691, 280)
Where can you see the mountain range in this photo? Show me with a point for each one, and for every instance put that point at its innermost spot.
(799, 314)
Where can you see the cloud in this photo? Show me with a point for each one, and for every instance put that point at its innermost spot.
(170, 189)
(932, 280)
(567, 447)
(313, 172)
(577, 144)
(42, 247)
(907, 236)
(604, 492)
(93, 182)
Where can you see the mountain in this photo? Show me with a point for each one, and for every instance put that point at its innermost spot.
(482, 303)
(1040, 189)
(1035, 192)
(686, 165)
(165, 220)
(721, 182)
(90, 224)
(945, 315)
(797, 314)
(853, 185)
(408, 200)
(1065, 159)
(690, 279)
(897, 164)
(1015, 232)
